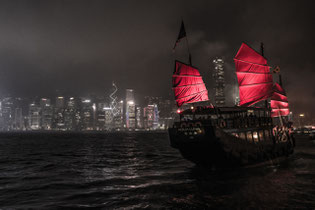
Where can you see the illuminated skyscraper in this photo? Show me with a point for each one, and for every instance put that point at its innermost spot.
(151, 117)
(130, 109)
(87, 114)
(46, 114)
(119, 117)
(139, 117)
(108, 118)
(34, 117)
(59, 121)
(218, 75)
(60, 102)
(6, 114)
(70, 114)
(18, 119)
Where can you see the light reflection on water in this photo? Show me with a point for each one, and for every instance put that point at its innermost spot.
(141, 171)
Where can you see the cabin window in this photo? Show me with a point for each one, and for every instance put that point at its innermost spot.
(242, 136)
(261, 135)
(235, 134)
(255, 136)
(249, 136)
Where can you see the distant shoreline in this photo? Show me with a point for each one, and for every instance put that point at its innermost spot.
(77, 132)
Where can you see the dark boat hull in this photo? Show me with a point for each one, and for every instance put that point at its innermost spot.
(213, 147)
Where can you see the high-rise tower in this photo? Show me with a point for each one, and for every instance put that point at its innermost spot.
(218, 75)
(130, 109)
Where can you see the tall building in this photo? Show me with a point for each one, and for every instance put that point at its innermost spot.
(60, 102)
(151, 117)
(118, 120)
(87, 114)
(18, 123)
(139, 117)
(108, 118)
(218, 75)
(59, 121)
(6, 114)
(34, 117)
(70, 114)
(130, 109)
(46, 113)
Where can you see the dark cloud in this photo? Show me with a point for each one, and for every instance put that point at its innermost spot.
(81, 46)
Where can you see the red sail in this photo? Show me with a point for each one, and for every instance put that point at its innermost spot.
(188, 85)
(253, 75)
(279, 102)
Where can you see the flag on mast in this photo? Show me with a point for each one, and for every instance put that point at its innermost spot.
(181, 35)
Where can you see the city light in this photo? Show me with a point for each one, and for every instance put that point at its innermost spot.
(302, 115)
(93, 113)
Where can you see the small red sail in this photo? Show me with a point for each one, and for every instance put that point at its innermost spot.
(188, 85)
(279, 102)
(253, 75)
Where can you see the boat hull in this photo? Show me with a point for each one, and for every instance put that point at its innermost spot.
(213, 147)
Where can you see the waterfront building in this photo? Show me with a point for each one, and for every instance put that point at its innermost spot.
(87, 114)
(18, 122)
(60, 102)
(108, 118)
(46, 114)
(151, 117)
(130, 109)
(118, 120)
(70, 115)
(34, 117)
(6, 114)
(139, 117)
(58, 116)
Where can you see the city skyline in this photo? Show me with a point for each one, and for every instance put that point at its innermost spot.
(62, 113)
(78, 47)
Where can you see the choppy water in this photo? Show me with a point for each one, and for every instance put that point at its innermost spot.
(126, 170)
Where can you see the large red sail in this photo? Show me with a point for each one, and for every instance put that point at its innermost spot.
(253, 75)
(188, 85)
(279, 102)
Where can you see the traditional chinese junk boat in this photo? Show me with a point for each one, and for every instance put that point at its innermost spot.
(231, 136)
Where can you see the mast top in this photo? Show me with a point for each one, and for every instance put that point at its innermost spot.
(262, 48)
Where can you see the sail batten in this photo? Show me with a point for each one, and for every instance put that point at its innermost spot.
(253, 76)
(279, 102)
(188, 84)
(257, 84)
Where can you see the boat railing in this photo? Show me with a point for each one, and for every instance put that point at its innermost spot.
(231, 123)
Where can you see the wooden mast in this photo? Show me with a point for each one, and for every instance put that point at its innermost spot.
(262, 53)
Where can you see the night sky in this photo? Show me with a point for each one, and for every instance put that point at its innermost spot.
(80, 47)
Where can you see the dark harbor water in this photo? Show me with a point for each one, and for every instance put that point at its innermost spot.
(125, 170)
